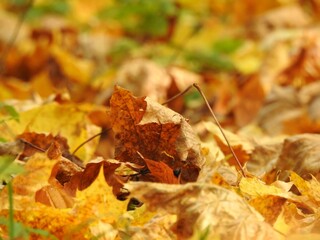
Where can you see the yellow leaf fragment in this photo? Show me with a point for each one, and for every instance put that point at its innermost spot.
(68, 120)
(311, 188)
(255, 188)
(204, 207)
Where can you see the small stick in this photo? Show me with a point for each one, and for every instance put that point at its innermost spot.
(220, 128)
(89, 139)
(196, 86)
(178, 95)
(32, 145)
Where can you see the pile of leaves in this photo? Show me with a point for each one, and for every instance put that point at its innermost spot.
(91, 148)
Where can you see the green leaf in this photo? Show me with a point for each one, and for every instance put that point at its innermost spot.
(10, 111)
(59, 7)
(8, 168)
(209, 61)
(227, 45)
(141, 17)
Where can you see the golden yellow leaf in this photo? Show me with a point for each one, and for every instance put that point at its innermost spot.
(256, 188)
(68, 120)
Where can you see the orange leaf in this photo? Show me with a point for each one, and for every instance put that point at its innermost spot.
(55, 196)
(143, 126)
(90, 173)
(161, 171)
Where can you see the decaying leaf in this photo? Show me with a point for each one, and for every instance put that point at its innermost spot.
(204, 207)
(158, 133)
(54, 146)
(300, 153)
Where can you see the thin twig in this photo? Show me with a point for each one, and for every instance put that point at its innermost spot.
(7, 48)
(32, 145)
(178, 95)
(89, 139)
(196, 86)
(220, 128)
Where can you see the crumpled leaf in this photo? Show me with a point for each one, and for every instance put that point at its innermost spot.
(144, 127)
(113, 179)
(300, 153)
(204, 207)
(307, 188)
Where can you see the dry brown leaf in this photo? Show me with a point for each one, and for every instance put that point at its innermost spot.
(161, 172)
(300, 153)
(11, 148)
(304, 63)
(250, 99)
(144, 77)
(143, 127)
(54, 195)
(204, 207)
(67, 174)
(113, 179)
(286, 17)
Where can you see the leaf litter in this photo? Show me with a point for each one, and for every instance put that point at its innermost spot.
(160, 175)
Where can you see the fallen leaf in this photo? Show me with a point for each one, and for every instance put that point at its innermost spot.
(11, 148)
(55, 196)
(144, 77)
(112, 178)
(161, 172)
(250, 99)
(268, 206)
(288, 16)
(67, 174)
(204, 207)
(158, 133)
(300, 154)
(241, 146)
(307, 188)
(55, 119)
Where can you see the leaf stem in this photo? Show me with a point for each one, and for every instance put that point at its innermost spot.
(89, 139)
(220, 128)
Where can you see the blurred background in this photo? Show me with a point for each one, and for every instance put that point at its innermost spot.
(256, 61)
